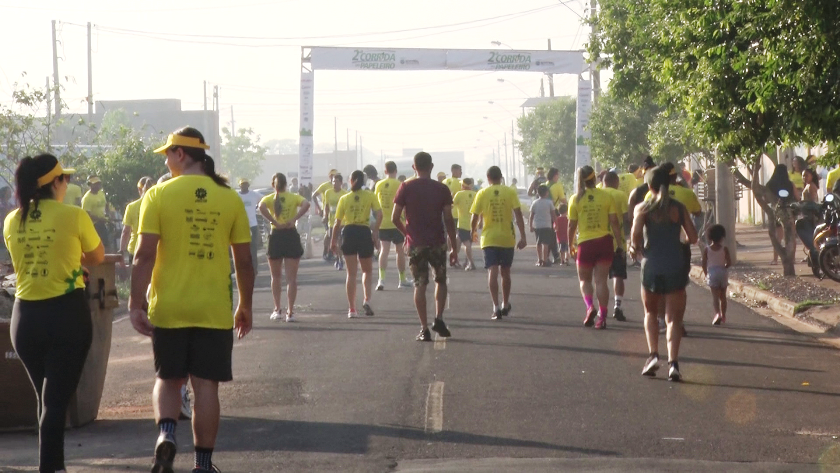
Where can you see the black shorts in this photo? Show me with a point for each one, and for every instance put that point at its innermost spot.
(201, 352)
(393, 235)
(498, 256)
(284, 243)
(464, 235)
(618, 269)
(545, 236)
(357, 240)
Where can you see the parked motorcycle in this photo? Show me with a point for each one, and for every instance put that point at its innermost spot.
(829, 255)
(808, 227)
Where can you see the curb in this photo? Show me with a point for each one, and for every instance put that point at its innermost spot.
(779, 305)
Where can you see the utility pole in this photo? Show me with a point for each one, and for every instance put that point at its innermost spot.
(205, 96)
(513, 149)
(725, 204)
(542, 87)
(232, 123)
(90, 75)
(55, 74)
(49, 117)
(596, 73)
(357, 150)
(499, 152)
(551, 76)
(507, 166)
(348, 139)
(335, 130)
(362, 155)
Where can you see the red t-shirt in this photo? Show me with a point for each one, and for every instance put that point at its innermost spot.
(423, 200)
(561, 227)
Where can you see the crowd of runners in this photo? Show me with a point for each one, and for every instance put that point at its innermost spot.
(181, 231)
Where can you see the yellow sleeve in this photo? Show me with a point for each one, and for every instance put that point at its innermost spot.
(477, 203)
(340, 209)
(573, 211)
(832, 177)
(150, 213)
(240, 232)
(127, 216)
(299, 200)
(267, 200)
(375, 202)
(695, 203)
(87, 234)
(322, 188)
(86, 202)
(612, 207)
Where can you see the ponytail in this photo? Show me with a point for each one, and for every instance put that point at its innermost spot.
(585, 175)
(279, 184)
(26, 177)
(357, 180)
(199, 154)
(659, 180)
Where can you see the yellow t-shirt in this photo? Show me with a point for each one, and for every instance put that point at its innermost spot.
(385, 191)
(683, 195)
(557, 193)
(331, 197)
(94, 203)
(496, 204)
(47, 252)
(289, 203)
(354, 207)
(197, 221)
(132, 219)
(832, 178)
(461, 204)
(621, 208)
(796, 179)
(454, 185)
(323, 188)
(626, 183)
(592, 214)
(73, 195)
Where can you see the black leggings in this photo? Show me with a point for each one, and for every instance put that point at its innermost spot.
(52, 338)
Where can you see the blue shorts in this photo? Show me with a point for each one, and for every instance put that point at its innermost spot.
(496, 256)
(465, 235)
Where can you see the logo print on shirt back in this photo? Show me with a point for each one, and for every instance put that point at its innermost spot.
(200, 194)
(387, 185)
(496, 192)
(35, 215)
(591, 197)
(356, 198)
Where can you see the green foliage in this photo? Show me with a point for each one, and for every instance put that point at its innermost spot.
(619, 130)
(548, 136)
(284, 146)
(242, 155)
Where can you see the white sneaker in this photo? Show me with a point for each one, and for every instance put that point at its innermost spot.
(352, 314)
(275, 315)
(380, 286)
(186, 409)
(405, 283)
(290, 318)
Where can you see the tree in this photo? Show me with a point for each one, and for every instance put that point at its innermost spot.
(747, 76)
(242, 156)
(549, 136)
(284, 146)
(619, 130)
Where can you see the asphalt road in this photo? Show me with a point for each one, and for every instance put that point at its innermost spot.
(534, 392)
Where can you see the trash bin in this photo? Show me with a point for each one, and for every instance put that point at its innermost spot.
(18, 404)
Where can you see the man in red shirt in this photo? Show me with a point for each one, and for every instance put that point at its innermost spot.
(428, 206)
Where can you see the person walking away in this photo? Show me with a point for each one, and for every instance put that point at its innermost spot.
(496, 205)
(593, 221)
(51, 328)
(74, 192)
(454, 184)
(283, 209)
(94, 203)
(627, 181)
(425, 201)
(385, 191)
(358, 239)
(716, 263)
(539, 179)
(319, 209)
(618, 269)
(191, 298)
(780, 180)
(541, 222)
(462, 203)
(331, 197)
(372, 176)
(250, 200)
(558, 196)
(131, 220)
(657, 225)
(561, 228)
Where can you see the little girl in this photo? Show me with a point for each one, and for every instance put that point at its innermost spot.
(716, 264)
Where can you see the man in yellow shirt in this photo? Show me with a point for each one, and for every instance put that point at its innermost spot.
(461, 205)
(188, 226)
(618, 270)
(95, 204)
(558, 197)
(496, 205)
(331, 197)
(627, 181)
(454, 185)
(385, 191)
(319, 210)
(74, 192)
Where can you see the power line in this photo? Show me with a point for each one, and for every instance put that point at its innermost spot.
(143, 10)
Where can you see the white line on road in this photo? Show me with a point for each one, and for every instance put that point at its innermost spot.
(440, 342)
(678, 439)
(434, 408)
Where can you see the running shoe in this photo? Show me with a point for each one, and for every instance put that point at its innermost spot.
(601, 323)
(165, 450)
(590, 318)
(497, 315)
(662, 327)
(717, 320)
(618, 314)
(674, 371)
(651, 365)
(368, 309)
(352, 314)
(405, 283)
(275, 315)
(440, 327)
(380, 286)
(506, 310)
(424, 336)
(341, 264)
(186, 408)
(290, 317)
(335, 265)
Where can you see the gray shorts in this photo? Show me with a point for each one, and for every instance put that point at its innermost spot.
(718, 277)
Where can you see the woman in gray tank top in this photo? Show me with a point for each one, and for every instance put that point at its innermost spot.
(657, 225)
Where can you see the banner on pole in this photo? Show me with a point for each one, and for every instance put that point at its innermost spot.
(307, 123)
(554, 62)
(378, 59)
(584, 109)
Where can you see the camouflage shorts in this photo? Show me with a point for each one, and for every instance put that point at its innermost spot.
(419, 260)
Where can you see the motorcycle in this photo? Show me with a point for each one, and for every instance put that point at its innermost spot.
(810, 229)
(829, 254)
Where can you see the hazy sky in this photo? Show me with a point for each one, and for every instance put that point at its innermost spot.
(166, 49)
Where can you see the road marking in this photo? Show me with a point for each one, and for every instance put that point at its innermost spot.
(678, 439)
(440, 342)
(434, 408)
